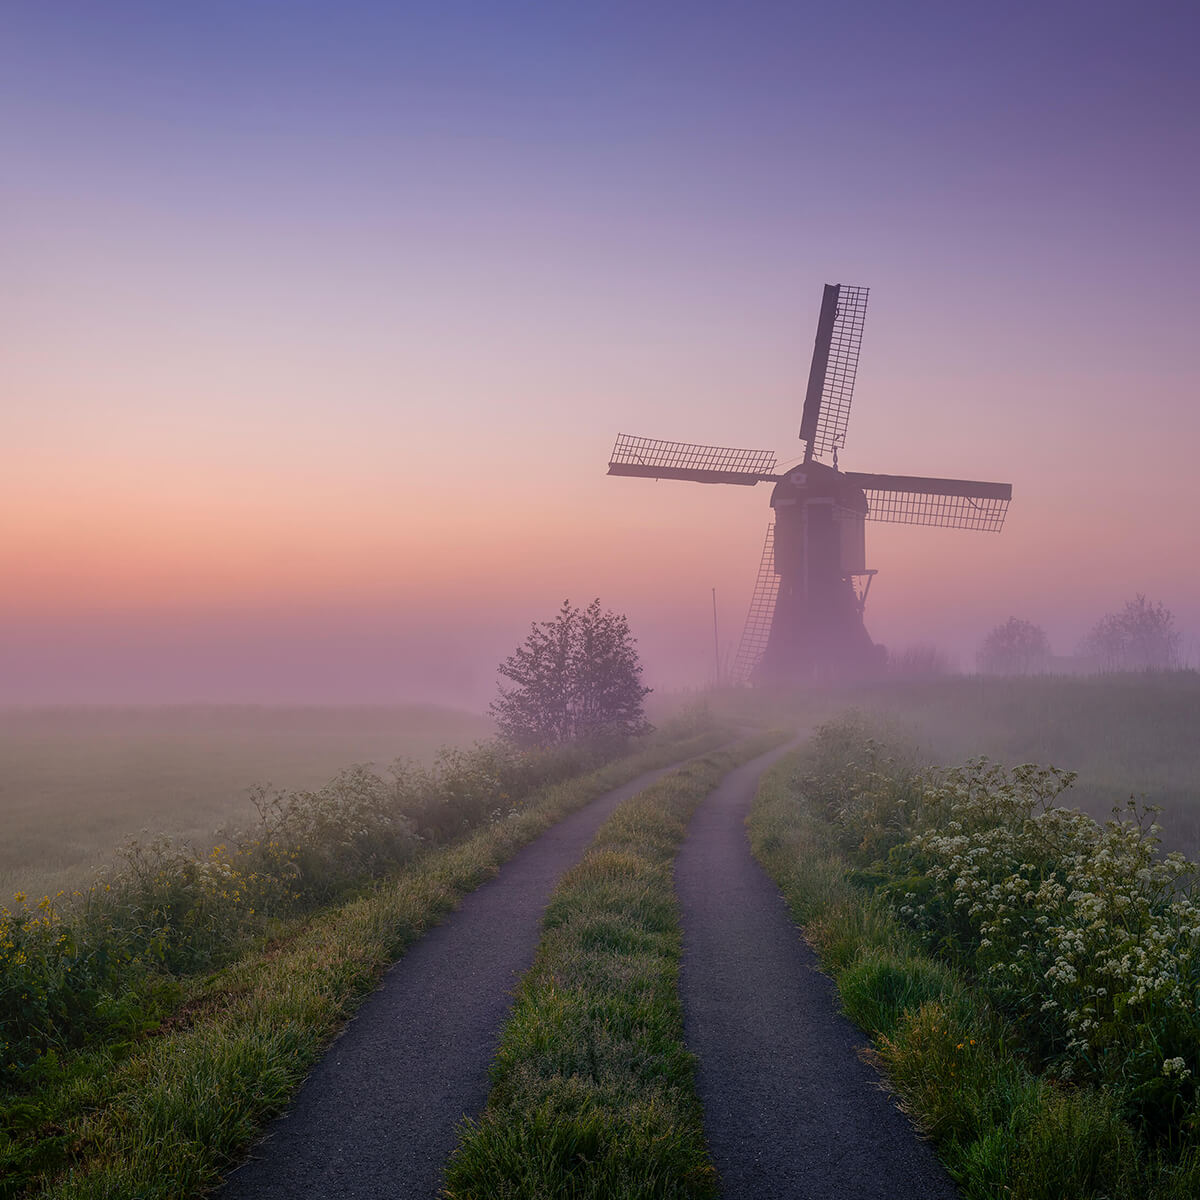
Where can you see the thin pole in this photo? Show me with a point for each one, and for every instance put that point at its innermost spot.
(716, 641)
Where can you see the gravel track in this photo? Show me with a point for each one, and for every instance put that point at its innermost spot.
(377, 1115)
(791, 1109)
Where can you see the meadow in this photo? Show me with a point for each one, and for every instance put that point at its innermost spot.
(75, 782)
(1123, 735)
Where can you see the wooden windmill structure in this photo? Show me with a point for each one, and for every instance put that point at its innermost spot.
(806, 615)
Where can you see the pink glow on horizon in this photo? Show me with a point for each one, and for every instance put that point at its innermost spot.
(312, 372)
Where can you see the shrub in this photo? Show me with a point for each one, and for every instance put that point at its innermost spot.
(1017, 647)
(101, 960)
(1084, 935)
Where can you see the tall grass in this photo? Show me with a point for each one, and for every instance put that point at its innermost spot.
(99, 961)
(983, 935)
(1123, 735)
(91, 962)
(159, 1113)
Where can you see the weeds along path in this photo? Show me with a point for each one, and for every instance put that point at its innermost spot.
(377, 1117)
(791, 1109)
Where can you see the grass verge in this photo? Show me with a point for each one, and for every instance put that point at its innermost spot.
(1002, 1125)
(592, 1090)
(163, 1114)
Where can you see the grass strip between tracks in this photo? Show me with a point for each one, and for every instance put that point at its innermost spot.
(999, 1127)
(592, 1090)
(165, 1116)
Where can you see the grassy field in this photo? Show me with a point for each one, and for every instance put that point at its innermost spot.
(75, 782)
(1124, 735)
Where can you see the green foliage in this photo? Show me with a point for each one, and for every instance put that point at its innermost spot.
(1028, 973)
(880, 985)
(91, 963)
(158, 1114)
(1003, 1131)
(1125, 734)
(576, 679)
(592, 1091)
(1083, 933)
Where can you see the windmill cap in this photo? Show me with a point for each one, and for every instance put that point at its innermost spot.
(816, 481)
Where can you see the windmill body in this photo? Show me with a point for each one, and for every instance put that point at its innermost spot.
(817, 625)
(806, 614)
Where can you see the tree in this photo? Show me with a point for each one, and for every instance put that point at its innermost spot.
(1017, 647)
(576, 678)
(1141, 637)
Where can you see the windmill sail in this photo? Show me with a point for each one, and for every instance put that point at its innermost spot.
(651, 458)
(834, 368)
(762, 611)
(950, 503)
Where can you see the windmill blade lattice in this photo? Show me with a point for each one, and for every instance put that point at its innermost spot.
(757, 629)
(841, 369)
(949, 503)
(652, 458)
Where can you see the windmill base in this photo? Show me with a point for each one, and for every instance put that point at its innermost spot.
(812, 643)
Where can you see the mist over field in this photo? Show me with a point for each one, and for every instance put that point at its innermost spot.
(76, 782)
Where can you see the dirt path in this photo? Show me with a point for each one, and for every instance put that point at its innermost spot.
(790, 1109)
(376, 1118)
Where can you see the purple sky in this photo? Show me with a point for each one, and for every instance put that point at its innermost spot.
(321, 319)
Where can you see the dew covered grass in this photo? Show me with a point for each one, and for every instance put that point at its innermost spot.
(159, 1103)
(592, 1089)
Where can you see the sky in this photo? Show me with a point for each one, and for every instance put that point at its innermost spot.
(319, 320)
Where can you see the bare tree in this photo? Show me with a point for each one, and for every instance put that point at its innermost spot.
(1018, 647)
(576, 678)
(1141, 637)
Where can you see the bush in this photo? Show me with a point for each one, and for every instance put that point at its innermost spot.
(1084, 935)
(1017, 647)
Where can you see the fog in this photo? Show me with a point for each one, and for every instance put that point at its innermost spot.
(352, 657)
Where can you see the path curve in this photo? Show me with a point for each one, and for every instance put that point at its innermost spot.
(791, 1110)
(377, 1115)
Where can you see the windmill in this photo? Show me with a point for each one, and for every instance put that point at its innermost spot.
(806, 615)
